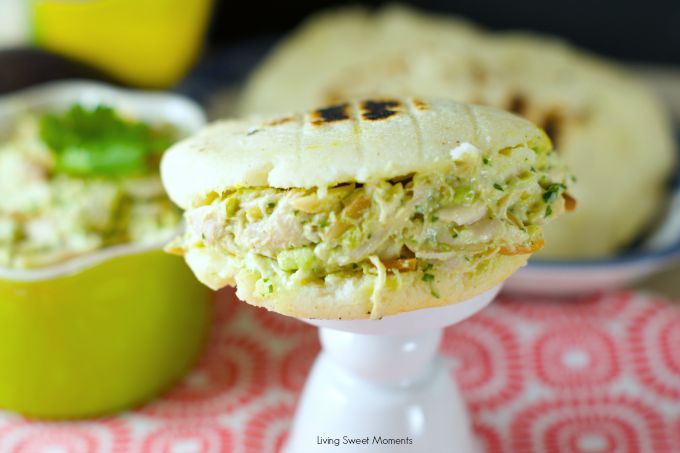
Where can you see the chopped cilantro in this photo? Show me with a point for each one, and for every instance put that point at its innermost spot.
(498, 187)
(428, 277)
(551, 192)
(485, 160)
(98, 142)
(548, 211)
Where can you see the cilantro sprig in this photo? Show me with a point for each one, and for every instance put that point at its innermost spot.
(98, 142)
(552, 192)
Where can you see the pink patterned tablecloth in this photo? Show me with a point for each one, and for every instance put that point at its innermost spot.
(595, 375)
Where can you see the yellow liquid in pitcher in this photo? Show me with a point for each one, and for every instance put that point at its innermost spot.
(148, 43)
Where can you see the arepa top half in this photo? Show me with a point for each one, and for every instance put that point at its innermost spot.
(349, 142)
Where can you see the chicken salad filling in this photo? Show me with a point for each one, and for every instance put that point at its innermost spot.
(478, 207)
(77, 181)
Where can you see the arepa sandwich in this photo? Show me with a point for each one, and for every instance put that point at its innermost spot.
(364, 209)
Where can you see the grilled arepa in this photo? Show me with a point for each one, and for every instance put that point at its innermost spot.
(364, 209)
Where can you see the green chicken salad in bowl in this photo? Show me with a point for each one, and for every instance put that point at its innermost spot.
(94, 317)
(78, 181)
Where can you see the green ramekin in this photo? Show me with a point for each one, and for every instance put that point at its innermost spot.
(100, 340)
(109, 330)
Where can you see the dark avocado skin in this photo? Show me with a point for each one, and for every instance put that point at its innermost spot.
(25, 67)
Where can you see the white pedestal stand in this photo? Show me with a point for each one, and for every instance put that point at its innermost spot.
(382, 384)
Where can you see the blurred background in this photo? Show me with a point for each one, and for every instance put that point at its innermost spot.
(629, 30)
(155, 43)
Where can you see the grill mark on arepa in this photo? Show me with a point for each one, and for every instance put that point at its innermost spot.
(279, 121)
(375, 110)
(518, 104)
(356, 127)
(411, 108)
(552, 124)
(330, 114)
(358, 135)
(419, 104)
